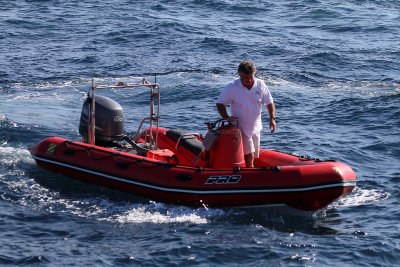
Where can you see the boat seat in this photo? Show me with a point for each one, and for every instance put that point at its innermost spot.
(186, 139)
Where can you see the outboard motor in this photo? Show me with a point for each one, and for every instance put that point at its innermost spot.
(109, 119)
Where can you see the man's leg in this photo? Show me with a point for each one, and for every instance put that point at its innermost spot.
(249, 159)
(250, 148)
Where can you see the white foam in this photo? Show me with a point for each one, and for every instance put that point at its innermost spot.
(142, 215)
(362, 196)
(37, 197)
(163, 213)
(12, 155)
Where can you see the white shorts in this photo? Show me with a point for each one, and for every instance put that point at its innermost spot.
(251, 144)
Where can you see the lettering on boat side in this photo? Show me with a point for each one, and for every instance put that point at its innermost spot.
(223, 179)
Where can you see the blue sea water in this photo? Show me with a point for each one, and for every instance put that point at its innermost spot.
(333, 68)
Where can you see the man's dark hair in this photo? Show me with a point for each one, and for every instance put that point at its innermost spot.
(247, 67)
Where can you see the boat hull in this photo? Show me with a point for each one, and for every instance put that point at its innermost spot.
(303, 185)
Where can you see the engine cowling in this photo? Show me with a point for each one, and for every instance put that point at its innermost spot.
(109, 120)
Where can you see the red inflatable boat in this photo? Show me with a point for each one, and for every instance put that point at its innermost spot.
(179, 167)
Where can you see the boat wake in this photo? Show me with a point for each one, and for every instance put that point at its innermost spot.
(160, 213)
(362, 196)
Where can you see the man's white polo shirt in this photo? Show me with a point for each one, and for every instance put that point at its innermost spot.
(246, 105)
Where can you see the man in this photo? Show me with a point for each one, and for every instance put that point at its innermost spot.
(246, 97)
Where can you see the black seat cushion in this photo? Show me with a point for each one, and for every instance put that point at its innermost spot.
(190, 142)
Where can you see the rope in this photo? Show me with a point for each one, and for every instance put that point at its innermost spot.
(151, 164)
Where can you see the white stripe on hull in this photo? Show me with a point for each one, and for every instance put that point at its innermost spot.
(347, 183)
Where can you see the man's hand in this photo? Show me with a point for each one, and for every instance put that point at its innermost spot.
(231, 119)
(272, 124)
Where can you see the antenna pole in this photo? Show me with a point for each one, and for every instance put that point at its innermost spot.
(92, 117)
